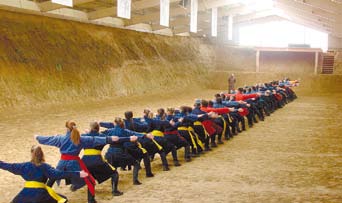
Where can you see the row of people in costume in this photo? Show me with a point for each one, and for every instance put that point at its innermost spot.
(132, 140)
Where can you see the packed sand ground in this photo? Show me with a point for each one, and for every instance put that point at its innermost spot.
(294, 156)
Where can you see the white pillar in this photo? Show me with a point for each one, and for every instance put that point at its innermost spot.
(164, 12)
(124, 9)
(316, 62)
(214, 22)
(257, 62)
(193, 16)
(230, 27)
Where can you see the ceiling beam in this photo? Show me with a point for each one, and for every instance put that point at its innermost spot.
(203, 17)
(101, 13)
(306, 8)
(289, 11)
(260, 20)
(143, 4)
(327, 5)
(319, 22)
(136, 5)
(254, 15)
(209, 4)
(173, 23)
(307, 23)
(49, 6)
(153, 16)
(179, 30)
(204, 5)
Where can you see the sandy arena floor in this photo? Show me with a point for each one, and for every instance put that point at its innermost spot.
(294, 156)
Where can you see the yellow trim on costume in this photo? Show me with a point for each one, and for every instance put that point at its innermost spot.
(144, 151)
(194, 134)
(158, 145)
(52, 193)
(197, 123)
(182, 128)
(96, 152)
(224, 126)
(230, 118)
(157, 133)
(191, 135)
(205, 131)
(92, 152)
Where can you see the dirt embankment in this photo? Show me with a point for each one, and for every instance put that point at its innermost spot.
(47, 61)
(44, 60)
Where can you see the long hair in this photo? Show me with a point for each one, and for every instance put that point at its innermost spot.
(129, 118)
(118, 121)
(94, 126)
(75, 136)
(37, 155)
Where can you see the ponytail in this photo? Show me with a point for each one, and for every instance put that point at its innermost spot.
(37, 155)
(118, 121)
(75, 136)
(94, 127)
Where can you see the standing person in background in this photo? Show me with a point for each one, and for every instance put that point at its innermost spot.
(231, 83)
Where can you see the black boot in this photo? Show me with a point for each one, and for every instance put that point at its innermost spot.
(176, 163)
(219, 138)
(206, 144)
(194, 152)
(243, 124)
(187, 156)
(91, 198)
(147, 164)
(164, 161)
(175, 157)
(115, 181)
(136, 169)
(212, 139)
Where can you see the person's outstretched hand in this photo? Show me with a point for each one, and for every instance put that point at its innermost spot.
(83, 174)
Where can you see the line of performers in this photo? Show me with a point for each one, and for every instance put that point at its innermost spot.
(133, 140)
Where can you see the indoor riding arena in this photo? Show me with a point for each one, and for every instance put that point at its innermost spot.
(170, 101)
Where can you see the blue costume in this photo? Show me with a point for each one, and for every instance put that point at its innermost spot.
(157, 128)
(98, 166)
(199, 128)
(32, 173)
(70, 160)
(185, 129)
(127, 153)
(172, 135)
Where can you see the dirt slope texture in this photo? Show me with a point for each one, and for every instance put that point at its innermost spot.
(45, 60)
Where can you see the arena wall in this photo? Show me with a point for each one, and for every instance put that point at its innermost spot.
(51, 61)
(46, 60)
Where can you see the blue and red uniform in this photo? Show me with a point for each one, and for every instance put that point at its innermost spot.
(35, 190)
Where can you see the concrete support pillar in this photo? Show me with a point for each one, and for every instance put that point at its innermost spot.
(230, 27)
(257, 62)
(316, 62)
(236, 34)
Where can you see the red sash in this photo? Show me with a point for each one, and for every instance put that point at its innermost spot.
(174, 132)
(90, 181)
(208, 125)
(245, 112)
(278, 97)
